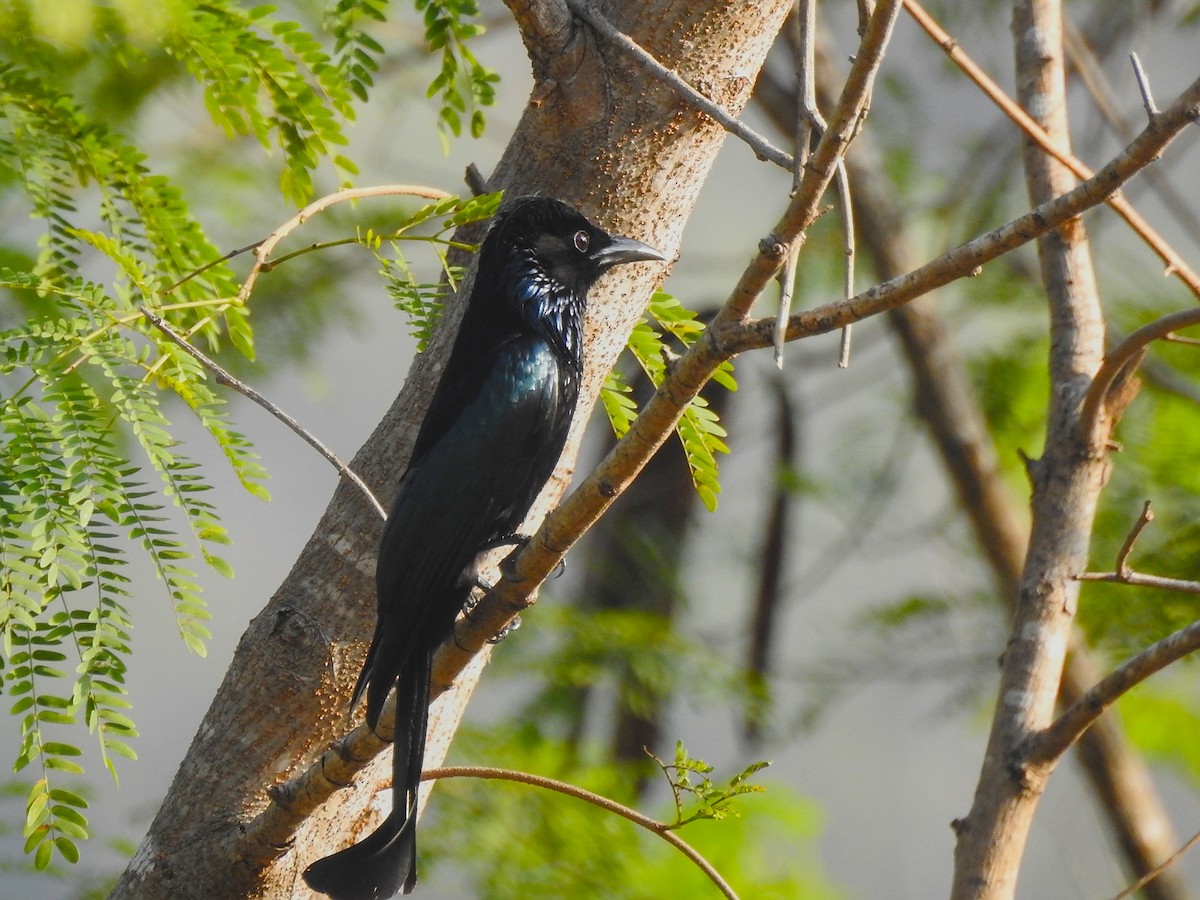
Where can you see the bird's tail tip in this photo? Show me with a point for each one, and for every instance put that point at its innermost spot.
(380, 866)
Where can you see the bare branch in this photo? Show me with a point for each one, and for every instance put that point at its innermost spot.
(1050, 744)
(806, 84)
(813, 123)
(1140, 579)
(1121, 361)
(787, 287)
(1175, 264)
(1143, 520)
(223, 377)
(847, 210)
(762, 147)
(262, 251)
(966, 258)
(1124, 573)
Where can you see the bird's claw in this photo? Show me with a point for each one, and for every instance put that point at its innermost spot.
(508, 629)
(473, 601)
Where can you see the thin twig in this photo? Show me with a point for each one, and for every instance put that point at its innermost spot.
(812, 123)
(1146, 517)
(1181, 339)
(787, 286)
(1141, 579)
(847, 208)
(1144, 86)
(263, 250)
(1124, 573)
(223, 377)
(1175, 264)
(653, 825)
(806, 84)
(208, 265)
(762, 147)
(1159, 869)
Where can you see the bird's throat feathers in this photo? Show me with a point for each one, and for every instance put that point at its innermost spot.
(546, 306)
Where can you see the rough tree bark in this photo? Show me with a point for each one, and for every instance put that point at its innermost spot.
(600, 133)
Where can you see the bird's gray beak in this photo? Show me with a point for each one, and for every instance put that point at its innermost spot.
(624, 250)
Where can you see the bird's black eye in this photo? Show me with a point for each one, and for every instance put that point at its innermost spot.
(581, 240)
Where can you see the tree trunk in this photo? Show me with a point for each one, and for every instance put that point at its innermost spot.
(601, 133)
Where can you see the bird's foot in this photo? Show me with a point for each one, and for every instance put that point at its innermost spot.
(508, 629)
(521, 541)
(473, 601)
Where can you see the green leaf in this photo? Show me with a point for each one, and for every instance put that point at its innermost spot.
(67, 849)
(699, 429)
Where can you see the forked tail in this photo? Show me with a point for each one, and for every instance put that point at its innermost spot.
(385, 863)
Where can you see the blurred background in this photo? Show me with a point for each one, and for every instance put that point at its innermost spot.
(832, 615)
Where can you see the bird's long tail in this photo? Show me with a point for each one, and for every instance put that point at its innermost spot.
(385, 862)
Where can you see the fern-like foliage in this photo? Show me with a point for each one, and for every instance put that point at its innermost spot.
(421, 301)
(270, 79)
(90, 467)
(689, 779)
(356, 51)
(464, 85)
(699, 429)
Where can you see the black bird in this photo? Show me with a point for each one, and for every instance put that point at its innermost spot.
(493, 433)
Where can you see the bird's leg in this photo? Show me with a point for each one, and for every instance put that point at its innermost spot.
(518, 541)
(480, 586)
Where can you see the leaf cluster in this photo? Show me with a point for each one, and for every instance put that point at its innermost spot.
(464, 85)
(688, 778)
(90, 465)
(422, 301)
(699, 429)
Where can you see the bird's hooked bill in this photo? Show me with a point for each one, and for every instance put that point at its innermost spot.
(626, 250)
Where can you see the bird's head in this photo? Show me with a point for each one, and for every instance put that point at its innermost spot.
(550, 255)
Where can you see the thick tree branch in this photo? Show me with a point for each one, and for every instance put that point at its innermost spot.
(1048, 745)
(545, 26)
(1067, 481)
